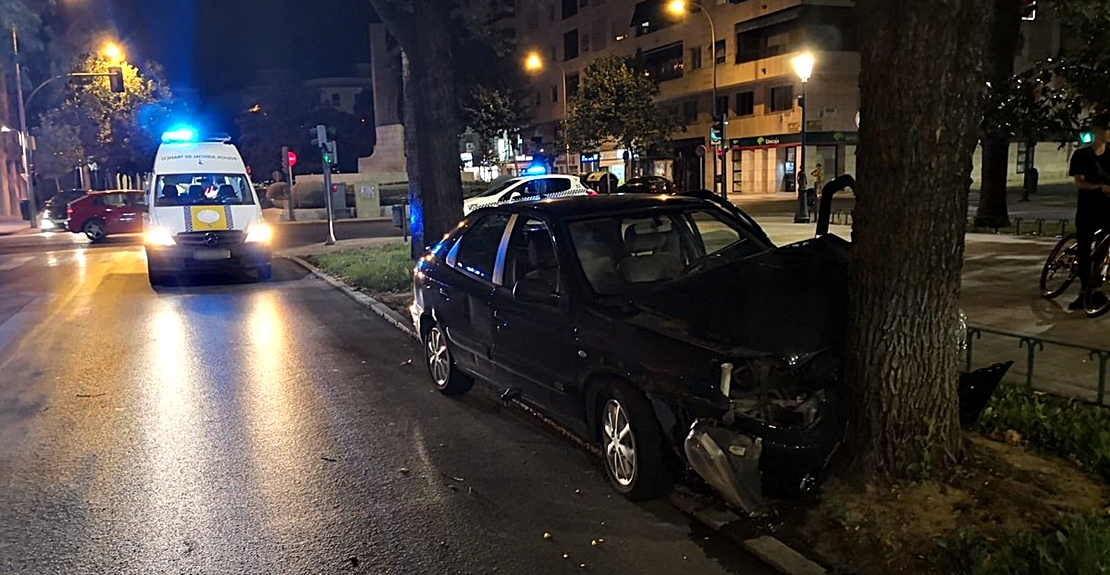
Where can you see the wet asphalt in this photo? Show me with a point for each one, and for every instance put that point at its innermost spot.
(223, 426)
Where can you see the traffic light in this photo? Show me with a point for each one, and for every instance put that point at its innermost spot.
(717, 134)
(331, 158)
(1086, 137)
(115, 79)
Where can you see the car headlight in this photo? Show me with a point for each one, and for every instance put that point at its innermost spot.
(260, 233)
(46, 224)
(158, 236)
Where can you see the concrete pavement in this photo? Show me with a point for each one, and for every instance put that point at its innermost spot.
(14, 225)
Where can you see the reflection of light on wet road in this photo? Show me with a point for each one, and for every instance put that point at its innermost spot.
(286, 455)
(175, 433)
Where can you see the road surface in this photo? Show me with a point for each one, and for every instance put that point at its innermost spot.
(230, 427)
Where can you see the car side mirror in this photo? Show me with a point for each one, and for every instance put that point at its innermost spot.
(533, 290)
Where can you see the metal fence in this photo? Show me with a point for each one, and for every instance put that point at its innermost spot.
(1032, 345)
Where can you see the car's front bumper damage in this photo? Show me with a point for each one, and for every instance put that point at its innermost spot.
(740, 458)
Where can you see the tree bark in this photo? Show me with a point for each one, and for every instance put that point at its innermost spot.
(920, 92)
(432, 157)
(1004, 37)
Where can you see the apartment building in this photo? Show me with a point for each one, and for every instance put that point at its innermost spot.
(756, 41)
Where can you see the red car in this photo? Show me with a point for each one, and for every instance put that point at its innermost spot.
(100, 214)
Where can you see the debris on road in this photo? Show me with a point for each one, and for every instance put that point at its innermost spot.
(406, 362)
(90, 395)
(353, 561)
(326, 458)
(404, 470)
(546, 535)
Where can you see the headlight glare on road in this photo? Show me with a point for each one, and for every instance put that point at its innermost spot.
(260, 233)
(159, 237)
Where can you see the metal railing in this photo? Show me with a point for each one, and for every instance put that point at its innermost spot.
(1032, 344)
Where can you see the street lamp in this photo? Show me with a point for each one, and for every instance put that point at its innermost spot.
(679, 8)
(113, 52)
(534, 63)
(803, 67)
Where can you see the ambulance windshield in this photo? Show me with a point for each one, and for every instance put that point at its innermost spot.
(202, 190)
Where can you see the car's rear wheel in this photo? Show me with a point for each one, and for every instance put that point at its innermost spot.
(95, 230)
(441, 366)
(632, 444)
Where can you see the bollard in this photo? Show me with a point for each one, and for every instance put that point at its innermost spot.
(1040, 226)
(1103, 357)
(972, 335)
(1017, 226)
(1031, 344)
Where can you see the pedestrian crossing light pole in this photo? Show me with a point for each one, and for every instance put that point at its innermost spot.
(327, 159)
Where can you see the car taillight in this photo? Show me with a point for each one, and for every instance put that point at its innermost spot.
(69, 211)
(591, 193)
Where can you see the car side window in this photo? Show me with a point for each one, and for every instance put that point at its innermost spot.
(476, 252)
(531, 255)
(555, 185)
(714, 235)
(115, 200)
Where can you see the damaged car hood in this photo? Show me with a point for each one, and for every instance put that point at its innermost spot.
(783, 302)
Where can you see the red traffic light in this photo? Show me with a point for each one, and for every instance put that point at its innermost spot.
(292, 159)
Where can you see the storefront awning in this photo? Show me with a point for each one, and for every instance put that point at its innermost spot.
(812, 139)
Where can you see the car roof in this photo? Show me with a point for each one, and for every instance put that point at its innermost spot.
(573, 206)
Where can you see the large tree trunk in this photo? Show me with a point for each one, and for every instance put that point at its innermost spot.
(432, 162)
(1004, 36)
(920, 92)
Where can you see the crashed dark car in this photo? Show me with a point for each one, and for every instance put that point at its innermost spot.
(667, 329)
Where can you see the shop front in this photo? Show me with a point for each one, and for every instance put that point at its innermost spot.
(770, 164)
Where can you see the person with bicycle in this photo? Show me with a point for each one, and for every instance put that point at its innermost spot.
(1090, 166)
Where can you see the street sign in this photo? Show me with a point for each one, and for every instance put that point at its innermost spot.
(292, 159)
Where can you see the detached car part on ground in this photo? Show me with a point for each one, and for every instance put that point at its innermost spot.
(668, 329)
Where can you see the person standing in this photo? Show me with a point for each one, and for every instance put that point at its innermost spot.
(1090, 166)
(818, 174)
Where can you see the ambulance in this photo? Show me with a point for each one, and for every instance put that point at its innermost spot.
(204, 215)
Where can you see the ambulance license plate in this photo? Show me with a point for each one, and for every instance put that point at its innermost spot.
(211, 255)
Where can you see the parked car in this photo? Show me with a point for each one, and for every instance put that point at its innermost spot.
(647, 185)
(527, 187)
(669, 330)
(100, 214)
(55, 211)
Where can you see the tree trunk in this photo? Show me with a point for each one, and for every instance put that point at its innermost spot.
(920, 88)
(1004, 36)
(432, 162)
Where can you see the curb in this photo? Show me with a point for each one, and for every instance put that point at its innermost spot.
(379, 308)
(767, 549)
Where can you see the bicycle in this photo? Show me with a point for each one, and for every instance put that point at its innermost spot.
(1062, 267)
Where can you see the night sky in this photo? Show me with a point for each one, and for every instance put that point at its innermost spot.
(215, 46)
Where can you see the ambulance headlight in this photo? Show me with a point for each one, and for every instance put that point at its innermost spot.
(159, 236)
(260, 233)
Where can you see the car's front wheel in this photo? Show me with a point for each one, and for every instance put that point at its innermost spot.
(632, 444)
(441, 366)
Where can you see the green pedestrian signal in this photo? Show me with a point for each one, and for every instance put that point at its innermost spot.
(1086, 137)
(717, 134)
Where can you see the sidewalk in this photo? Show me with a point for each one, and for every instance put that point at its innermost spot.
(14, 225)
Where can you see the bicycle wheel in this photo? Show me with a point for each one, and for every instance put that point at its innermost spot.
(1095, 302)
(1060, 267)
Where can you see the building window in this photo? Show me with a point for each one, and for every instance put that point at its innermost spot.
(651, 16)
(745, 104)
(664, 63)
(554, 94)
(719, 51)
(570, 8)
(722, 106)
(782, 98)
(695, 58)
(335, 100)
(570, 45)
(572, 85)
(690, 111)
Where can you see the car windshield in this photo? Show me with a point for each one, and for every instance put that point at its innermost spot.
(498, 188)
(202, 189)
(623, 253)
